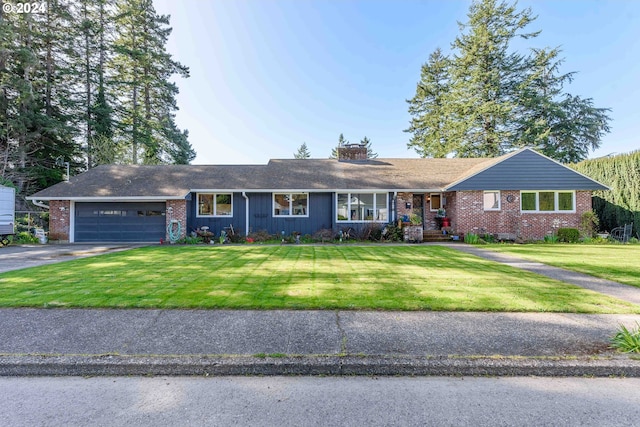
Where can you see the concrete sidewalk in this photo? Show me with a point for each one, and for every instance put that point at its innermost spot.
(231, 342)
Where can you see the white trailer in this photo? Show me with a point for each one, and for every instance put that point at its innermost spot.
(7, 213)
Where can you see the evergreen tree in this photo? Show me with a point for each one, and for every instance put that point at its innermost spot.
(143, 69)
(302, 153)
(33, 107)
(432, 136)
(485, 99)
(367, 143)
(341, 143)
(560, 125)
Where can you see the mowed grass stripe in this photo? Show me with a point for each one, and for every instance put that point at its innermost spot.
(619, 263)
(297, 277)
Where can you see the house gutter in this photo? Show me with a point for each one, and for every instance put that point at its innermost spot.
(40, 204)
(246, 213)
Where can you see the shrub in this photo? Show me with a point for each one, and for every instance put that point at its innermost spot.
(324, 235)
(393, 233)
(627, 341)
(24, 238)
(568, 235)
(260, 236)
(589, 223)
(551, 238)
(489, 238)
(236, 237)
(191, 240)
(375, 234)
(472, 238)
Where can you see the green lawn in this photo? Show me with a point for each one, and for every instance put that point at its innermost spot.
(620, 263)
(297, 277)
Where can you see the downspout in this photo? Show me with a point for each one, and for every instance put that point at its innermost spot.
(246, 213)
(40, 204)
(394, 202)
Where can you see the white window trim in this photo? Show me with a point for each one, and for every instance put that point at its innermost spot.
(555, 202)
(290, 215)
(499, 201)
(375, 207)
(215, 207)
(431, 209)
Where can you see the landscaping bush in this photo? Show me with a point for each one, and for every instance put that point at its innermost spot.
(620, 205)
(261, 236)
(627, 341)
(589, 223)
(472, 238)
(191, 240)
(393, 233)
(236, 238)
(489, 238)
(324, 235)
(24, 238)
(568, 235)
(550, 238)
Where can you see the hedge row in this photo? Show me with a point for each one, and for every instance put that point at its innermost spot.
(621, 173)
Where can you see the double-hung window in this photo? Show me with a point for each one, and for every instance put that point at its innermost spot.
(290, 204)
(362, 207)
(215, 204)
(548, 201)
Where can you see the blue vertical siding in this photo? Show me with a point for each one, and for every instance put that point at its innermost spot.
(217, 224)
(261, 215)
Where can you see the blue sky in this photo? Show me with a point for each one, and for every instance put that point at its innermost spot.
(268, 75)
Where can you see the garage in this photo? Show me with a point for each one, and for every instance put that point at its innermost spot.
(120, 222)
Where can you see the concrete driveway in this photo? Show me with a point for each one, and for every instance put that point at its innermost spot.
(24, 256)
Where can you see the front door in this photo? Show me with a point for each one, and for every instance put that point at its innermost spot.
(418, 207)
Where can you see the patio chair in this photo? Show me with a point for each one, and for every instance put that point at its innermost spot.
(623, 233)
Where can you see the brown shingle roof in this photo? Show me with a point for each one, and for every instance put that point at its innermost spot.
(176, 181)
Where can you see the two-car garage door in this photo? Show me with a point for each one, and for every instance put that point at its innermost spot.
(120, 222)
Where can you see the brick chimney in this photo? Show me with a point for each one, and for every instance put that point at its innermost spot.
(352, 152)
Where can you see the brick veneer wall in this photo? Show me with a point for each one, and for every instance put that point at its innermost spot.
(469, 216)
(59, 220)
(179, 213)
(401, 200)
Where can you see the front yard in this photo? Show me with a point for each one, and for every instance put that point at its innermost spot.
(620, 263)
(297, 277)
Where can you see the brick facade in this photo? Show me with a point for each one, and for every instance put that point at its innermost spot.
(352, 152)
(401, 202)
(465, 209)
(59, 220)
(179, 212)
(468, 216)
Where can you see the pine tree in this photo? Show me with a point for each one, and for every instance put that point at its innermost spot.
(431, 124)
(302, 153)
(560, 125)
(33, 107)
(143, 69)
(341, 143)
(370, 153)
(485, 99)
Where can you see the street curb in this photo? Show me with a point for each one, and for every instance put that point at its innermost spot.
(118, 365)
